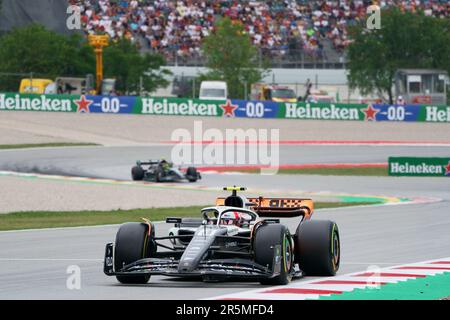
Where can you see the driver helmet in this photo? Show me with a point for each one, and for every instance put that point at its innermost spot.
(164, 163)
(234, 218)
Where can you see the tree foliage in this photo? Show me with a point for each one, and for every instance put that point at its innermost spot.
(405, 40)
(232, 57)
(48, 55)
(45, 53)
(123, 61)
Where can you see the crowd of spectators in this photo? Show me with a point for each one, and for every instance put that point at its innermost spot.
(175, 28)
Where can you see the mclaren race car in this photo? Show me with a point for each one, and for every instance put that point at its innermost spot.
(236, 238)
(162, 171)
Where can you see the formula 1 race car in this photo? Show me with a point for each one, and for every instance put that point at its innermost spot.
(236, 238)
(162, 171)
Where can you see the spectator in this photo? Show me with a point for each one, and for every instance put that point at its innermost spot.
(175, 28)
(308, 86)
(400, 101)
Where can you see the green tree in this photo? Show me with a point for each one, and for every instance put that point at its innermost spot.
(123, 61)
(47, 54)
(232, 57)
(405, 40)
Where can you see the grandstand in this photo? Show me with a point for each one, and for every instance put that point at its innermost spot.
(292, 33)
(306, 34)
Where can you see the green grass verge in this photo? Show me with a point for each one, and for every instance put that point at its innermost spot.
(38, 220)
(45, 145)
(332, 171)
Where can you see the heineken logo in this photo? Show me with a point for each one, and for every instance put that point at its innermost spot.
(422, 168)
(419, 166)
(83, 104)
(370, 113)
(325, 112)
(436, 114)
(34, 103)
(228, 109)
(185, 108)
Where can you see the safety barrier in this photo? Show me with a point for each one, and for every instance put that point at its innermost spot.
(228, 108)
(419, 166)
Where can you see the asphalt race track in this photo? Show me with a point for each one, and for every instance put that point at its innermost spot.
(33, 263)
(116, 162)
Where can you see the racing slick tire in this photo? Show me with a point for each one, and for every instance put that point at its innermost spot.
(133, 242)
(266, 238)
(317, 247)
(137, 173)
(192, 174)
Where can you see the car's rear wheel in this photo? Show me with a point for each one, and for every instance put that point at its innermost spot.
(137, 173)
(317, 247)
(133, 242)
(269, 238)
(192, 174)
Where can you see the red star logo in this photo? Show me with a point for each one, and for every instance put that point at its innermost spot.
(370, 113)
(83, 104)
(447, 169)
(228, 109)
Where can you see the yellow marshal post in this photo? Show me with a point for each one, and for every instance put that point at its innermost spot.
(98, 42)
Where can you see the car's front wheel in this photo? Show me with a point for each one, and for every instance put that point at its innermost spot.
(270, 240)
(133, 242)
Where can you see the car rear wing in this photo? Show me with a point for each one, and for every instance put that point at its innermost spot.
(278, 207)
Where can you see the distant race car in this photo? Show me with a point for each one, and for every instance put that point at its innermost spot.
(162, 171)
(237, 238)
